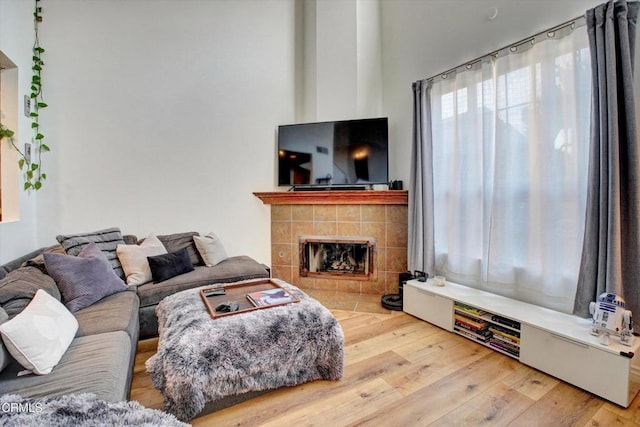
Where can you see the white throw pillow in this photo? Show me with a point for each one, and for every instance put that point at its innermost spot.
(211, 249)
(39, 336)
(134, 259)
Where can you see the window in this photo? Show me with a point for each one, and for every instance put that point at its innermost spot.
(510, 159)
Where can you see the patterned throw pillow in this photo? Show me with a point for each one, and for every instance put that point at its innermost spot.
(106, 240)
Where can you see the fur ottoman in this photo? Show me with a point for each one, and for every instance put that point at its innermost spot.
(202, 360)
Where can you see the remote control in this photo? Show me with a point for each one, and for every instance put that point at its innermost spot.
(213, 292)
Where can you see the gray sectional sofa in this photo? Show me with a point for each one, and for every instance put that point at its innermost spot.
(101, 356)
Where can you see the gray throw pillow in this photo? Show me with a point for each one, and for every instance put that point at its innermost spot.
(174, 242)
(83, 279)
(5, 357)
(106, 240)
(164, 267)
(19, 287)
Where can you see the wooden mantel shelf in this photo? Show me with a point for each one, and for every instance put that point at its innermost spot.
(365, 197)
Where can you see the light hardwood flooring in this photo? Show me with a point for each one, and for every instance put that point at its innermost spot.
(401, 371)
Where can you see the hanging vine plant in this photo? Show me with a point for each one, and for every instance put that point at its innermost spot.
(33, 172)
(33, 175)
(6, 133)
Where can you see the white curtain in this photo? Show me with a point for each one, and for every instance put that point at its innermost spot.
(510, 153)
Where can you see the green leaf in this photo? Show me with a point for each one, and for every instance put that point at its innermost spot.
(42, 105)
(27, 185)
(29, 175)
(34, 166)
(39, 136)
(38, 185)
(36, 68)
(5, 133)
(33, 114)
(44, 176)
(38, 49)
(45, 147)
(34, 125)
(35, 79)
(21, 163)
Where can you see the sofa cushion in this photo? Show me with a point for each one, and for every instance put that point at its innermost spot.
(107, 240)
(39, 336)
(117, 312)
(164, 267)
(211, 249)
(174, 242)
(232, 269)
(134, 259)
(38, 261)
(19, 287)
(130, 239)
(83, 279)
(97, 364)
(16, 263)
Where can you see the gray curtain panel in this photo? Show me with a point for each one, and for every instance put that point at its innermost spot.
(611, 253)
(420, 248)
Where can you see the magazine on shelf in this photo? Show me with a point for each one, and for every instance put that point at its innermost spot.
(270, 297)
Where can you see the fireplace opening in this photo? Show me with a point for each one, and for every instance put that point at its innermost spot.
(337, 257)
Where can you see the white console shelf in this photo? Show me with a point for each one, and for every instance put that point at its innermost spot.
(556, 343)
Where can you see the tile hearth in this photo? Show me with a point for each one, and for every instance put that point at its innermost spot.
(336, 300)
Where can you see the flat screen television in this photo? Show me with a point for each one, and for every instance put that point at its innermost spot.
(345, 153)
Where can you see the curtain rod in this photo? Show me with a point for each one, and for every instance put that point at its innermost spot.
(513, 47)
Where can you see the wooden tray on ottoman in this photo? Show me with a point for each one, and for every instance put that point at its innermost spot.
(237, 292)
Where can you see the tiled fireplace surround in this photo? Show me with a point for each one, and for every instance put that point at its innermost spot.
(331, 214)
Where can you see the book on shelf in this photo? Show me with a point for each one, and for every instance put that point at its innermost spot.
(471, 334)
(507, 349)
(270, 297)
(483, 332)
(506, 340)
(473, 323)
(469, 309)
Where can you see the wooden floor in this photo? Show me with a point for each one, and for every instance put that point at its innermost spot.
(401, 371)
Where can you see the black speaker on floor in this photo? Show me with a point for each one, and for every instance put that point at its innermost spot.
(394, 301)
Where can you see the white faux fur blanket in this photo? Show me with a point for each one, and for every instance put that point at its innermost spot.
(201, 360)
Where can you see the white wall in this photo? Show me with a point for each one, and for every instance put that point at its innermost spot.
(163, 113)
(19, 230)
(422, 38)
(162, 116)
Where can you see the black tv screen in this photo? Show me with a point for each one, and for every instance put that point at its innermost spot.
(346, 152)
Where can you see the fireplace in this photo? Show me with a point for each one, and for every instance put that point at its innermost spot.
(379, 214)
(338, 257)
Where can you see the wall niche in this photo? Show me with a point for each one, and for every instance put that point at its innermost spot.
(9, 171)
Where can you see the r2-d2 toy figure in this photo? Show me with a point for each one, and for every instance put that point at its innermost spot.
(610, 317)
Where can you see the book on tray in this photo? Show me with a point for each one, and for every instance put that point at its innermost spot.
(270, 297)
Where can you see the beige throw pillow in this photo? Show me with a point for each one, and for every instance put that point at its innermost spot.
(134, 259)
(211, 249)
